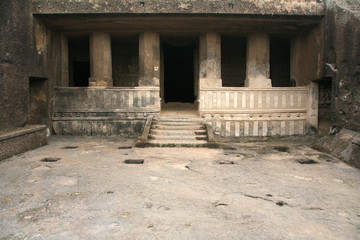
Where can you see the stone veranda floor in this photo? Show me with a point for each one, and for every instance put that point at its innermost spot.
(254, 190)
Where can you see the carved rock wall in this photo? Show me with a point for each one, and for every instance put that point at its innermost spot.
(14, 62)
(271, 7)
(28, 50)
(342, 61)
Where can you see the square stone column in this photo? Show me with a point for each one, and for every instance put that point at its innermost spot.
(258, 61)
(313, 108)
(210, 60)
(100, 60)
(149, 59)
(64, 61)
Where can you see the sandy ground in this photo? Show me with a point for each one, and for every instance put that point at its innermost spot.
(259, 190)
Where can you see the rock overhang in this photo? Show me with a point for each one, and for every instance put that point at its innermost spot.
(247, 7)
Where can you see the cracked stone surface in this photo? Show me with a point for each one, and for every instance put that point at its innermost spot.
(253, 190)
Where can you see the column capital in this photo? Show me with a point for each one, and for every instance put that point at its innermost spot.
(100, 82)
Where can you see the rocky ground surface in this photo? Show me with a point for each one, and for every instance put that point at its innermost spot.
(82, 188)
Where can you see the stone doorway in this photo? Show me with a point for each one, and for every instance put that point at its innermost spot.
(179, 64)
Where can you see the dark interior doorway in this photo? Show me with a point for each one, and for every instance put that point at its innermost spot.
(79, 61)
(280, 62)
(179, 73)
(233, 60)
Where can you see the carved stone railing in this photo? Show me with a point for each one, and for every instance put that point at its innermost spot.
(103, 111)
(231, 112)
(252, 100)
(256, 112)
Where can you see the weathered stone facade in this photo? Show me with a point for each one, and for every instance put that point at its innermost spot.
(100, 67)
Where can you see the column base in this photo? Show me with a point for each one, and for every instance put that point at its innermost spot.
(258, 82)
(100, 82)
(210, 82)
(149, 82)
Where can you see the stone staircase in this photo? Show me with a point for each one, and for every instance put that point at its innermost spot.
(177, 131)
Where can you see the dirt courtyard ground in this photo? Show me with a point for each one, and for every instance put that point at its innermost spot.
(256, 190)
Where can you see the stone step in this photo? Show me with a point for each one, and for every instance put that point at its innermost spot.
(178, 132)
(170, 138)
(176, 123)
(177, 143)
(178, 120)
(177, 117)
(184, 127)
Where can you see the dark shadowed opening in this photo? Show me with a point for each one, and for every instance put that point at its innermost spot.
(81, 74)
(179, 73)
(233, 60)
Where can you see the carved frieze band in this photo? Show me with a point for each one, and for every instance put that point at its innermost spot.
(258, 128)
(261, 116)
(106, 99)
(94, 116)
(236, 112)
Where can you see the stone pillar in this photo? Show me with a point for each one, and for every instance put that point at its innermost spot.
(210, 60)
(258, 61)
(64, 61)
(149, 59)
(100, 60)
(313, 108)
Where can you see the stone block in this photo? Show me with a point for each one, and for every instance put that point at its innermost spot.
(345, 145)
(20, 140)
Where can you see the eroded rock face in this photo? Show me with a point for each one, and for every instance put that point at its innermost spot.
(283, 7)
(14, 60)
(342, 60)
(19, 61)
